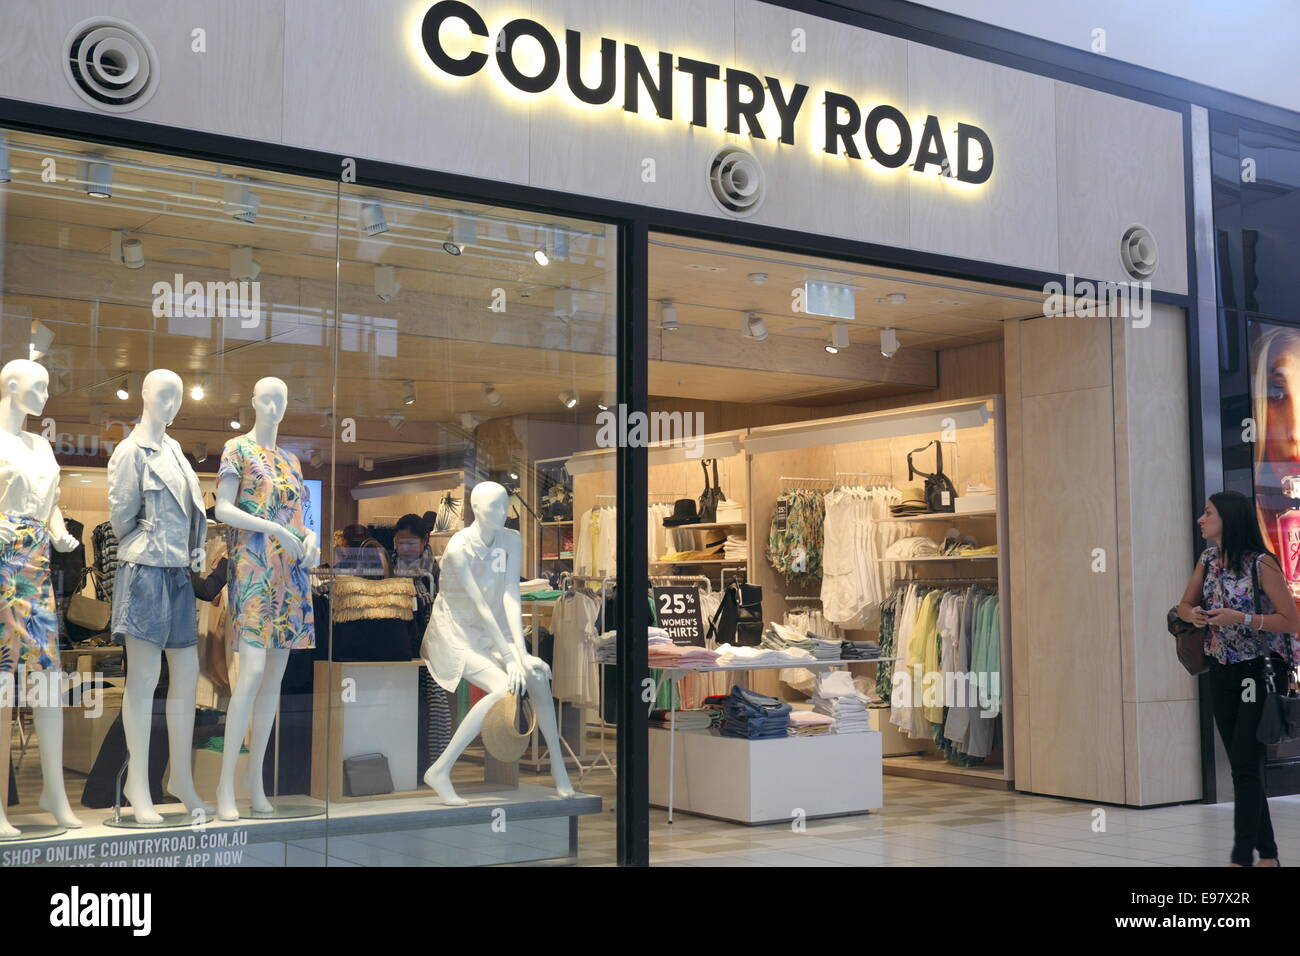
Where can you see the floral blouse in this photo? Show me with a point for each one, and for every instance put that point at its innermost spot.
(1235, 590)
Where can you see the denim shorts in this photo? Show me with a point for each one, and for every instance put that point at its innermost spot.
(155, 605)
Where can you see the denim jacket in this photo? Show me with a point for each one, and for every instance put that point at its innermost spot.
(148, 485)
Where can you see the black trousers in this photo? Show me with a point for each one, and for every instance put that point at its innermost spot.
(1237, 720)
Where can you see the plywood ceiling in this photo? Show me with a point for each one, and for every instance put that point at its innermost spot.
(489, 316)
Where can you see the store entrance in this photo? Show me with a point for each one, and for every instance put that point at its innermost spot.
(842, 523)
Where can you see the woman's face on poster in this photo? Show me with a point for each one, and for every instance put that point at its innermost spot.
(1282, 442)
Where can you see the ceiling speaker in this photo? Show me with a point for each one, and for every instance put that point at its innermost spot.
(1138, 253)
(736, 181)
(110, 64)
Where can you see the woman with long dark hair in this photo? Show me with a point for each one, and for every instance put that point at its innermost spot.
(1244, 621)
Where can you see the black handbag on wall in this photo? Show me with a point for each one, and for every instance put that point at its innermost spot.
(711, 494)
(940, 495)
(739, 619)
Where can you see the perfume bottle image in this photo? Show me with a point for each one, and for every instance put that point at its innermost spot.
(1288, 534)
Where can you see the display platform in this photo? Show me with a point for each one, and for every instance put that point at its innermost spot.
(768, 781)
(527, 824)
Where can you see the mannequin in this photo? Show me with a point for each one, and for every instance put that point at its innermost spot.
(30, 521)
(476, 632)
(157, 513)
(262, 497)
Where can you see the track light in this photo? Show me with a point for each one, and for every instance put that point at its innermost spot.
(540, 256)
(242, 264)
(888, 342)
(4, 163)
(450, 245)
(241, 202)
(753, 326)
(366, 463)
(237, 422)
(99, 180)
(569, 398)
(602, 406)
(124, 251)
(197, 391)
(408, 392)
(396, 420)
(839, 338)
(129, 385)
(124, 390)
(41, 340)
(464, 231)
(200, 452)
(372, 219)
(317, 459)
(491, 395)
(667, 315)
(386, 284)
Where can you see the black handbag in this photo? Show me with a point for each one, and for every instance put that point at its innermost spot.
(739, 618)
(1279, 719)
(940, 495)
(711, 494)
(366, 775)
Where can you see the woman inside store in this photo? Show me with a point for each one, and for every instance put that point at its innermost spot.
(412, 557)
(1243, 622)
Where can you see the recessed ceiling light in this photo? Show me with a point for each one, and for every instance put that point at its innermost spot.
(758, 278)
(894, 298)
(701, 267)
(949, 302)
(74, 474)
(85, 481)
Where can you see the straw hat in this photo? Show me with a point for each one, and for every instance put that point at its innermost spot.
(501, 735)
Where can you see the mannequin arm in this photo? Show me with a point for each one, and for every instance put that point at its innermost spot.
(59, 537)
(514, 606)
(229, 513)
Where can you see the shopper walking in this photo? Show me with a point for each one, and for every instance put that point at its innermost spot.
(1238, 593)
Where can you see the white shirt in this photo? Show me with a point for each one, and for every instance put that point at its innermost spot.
(29, 476)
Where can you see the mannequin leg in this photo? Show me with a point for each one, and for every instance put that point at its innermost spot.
(137, 720)
(182, 688)
(252, 664)
(6, 735)
(264, 709)
(47, 715)
(488, 676)
(539, 689)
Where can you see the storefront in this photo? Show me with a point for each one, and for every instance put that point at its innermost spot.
(415, 249)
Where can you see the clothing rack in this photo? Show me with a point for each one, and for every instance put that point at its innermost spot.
(683, 579)
(945, 581)
(568, 581)
(666, 496)
(796, 597)
(607, 497)
(806, 481)
(873, 477)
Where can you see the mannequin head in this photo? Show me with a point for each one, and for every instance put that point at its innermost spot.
(490, 502)
(162, 392)
(270, 399)
(25, 385)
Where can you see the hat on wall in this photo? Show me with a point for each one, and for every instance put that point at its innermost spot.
(684, 512)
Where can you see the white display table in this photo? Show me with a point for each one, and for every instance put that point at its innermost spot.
(766, 781)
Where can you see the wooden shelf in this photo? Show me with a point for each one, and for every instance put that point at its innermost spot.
(736, 563)
(555, 524)
(944, 516)
(714, 524)
(953, 557)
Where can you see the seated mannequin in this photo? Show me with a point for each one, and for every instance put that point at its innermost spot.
(476, 632)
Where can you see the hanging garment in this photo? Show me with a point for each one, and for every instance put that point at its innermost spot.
(596, 551)
(575, 674)
(104, 542)
(794, 544)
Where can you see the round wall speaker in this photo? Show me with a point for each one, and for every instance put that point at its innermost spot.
(1138, 253)
(110, 64)
(736, 181)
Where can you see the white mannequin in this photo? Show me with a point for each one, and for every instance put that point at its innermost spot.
(162, 392)
(494, 661)
(257, 692)
(24, 390)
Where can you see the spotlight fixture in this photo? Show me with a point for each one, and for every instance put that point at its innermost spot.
(569, 398)
(241, 202)
(396, 420)
(514, 476)
(317, 459)
(237, 422)
(408, 392)
(450, 245)
(752, 326)
(124, 390)
(99, 180)
(200, 452)
(242, 264)
(4, 163)
(559, 243)
(366, 463)
(197, 391)
(124, 251)
(372, 219)
(667, 316)
(491, 395)
(888, 342)
(540, 256)
(130, 385)
(839, 338)
(464, 231)
(41, 340)
(386, 284)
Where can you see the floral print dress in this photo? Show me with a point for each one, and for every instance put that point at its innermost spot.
(29, 627)
(1235, 589)
(270, 594)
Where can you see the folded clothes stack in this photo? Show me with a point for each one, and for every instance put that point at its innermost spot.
(736, 548)
(729, 511)
(809, 723)
(916, 547)
(698, 657)
(685, 719)
(859, 650)
(729, 655)
(837, 697)
(754, 716)
(606, 645)
(780, 637)
(680, 655)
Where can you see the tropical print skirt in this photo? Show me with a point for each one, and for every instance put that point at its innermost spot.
(29, 626)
